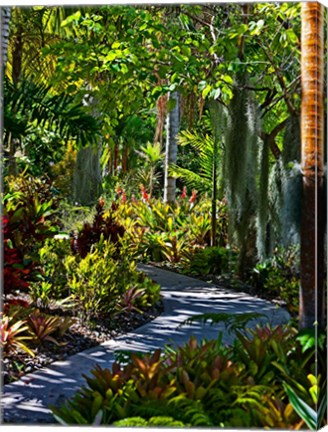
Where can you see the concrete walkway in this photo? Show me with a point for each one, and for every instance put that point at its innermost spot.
(26, 401)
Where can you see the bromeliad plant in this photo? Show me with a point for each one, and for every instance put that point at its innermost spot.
(28, 220)
(48, 328)
(204, 384)
(14, 334)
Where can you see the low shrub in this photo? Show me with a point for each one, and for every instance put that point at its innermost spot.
(279, 277)
(99, 282)
(28, 220)
(211, 260)
(51, 283)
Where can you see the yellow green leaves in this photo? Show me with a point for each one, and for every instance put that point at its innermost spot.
(70, 19)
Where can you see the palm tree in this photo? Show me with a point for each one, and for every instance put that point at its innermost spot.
(209, 150)
(312, 125)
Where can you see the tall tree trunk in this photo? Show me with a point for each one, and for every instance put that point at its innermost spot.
(5, 20)
(87, 176)
(17, 62)
(312, 125)
(172, 129)
(216, 118)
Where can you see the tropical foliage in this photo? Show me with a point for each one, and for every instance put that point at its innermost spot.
(171, 135)
(249, 384)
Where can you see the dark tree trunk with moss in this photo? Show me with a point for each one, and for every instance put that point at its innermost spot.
(87, 176)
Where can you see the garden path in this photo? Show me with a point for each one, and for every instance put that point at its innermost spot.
(26, 401)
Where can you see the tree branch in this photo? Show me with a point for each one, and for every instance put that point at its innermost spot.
(269, 138)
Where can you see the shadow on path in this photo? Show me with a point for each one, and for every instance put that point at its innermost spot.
(26, 401)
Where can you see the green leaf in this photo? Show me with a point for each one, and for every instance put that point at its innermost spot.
(291, 35)
(215, 93)
(75, 17)
(206, 91)
(302, 408)
(116, 45)
(111, 56)
(307, 339)
(124, 68)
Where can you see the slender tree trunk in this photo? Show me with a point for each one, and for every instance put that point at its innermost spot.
(312, 125)
(5, 20)
(17, 61)
(172, 129)
(17, 55)
(87, 177)
(125, 158)
(116, 148)
(216, 118)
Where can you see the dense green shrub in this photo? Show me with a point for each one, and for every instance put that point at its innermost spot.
(168, 233)
(211, 260)
(99, 281)
(52, 281)
(201, 384)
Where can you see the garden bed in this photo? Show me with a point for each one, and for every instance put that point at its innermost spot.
(79, 337)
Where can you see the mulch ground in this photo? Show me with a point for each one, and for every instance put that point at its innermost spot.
(80, 336)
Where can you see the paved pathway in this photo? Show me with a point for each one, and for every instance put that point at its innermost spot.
(26, 401)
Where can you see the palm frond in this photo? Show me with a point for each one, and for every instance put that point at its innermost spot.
(200, 182)
(200, 142)
(32, 105)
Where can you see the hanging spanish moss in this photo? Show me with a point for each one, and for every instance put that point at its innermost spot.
(87, 176)
(292, 141)
(235, 163)
(240, 167)
(292, 202)
(292, 182)
(275, 202)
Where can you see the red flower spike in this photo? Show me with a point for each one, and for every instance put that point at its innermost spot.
(193, 196)
(124, 197)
